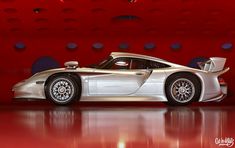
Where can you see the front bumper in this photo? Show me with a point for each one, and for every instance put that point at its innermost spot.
(26, 90)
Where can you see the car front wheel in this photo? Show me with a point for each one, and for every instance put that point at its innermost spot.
(62, 89)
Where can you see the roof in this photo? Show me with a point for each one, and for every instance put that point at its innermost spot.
(126, 54)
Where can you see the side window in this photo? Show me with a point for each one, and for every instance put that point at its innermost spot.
(120, 63)
(138, 64)
(155, 65)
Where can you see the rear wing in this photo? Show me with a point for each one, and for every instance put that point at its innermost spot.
(214, 64)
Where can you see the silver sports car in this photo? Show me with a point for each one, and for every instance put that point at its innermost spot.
(128, 77)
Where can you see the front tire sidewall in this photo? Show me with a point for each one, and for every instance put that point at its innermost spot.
(73, 87)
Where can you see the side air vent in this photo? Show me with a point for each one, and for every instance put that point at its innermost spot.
(71, 64)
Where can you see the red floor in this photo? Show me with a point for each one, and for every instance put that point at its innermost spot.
(43, 126)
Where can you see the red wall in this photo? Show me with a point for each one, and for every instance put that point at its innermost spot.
(200, 26)
(15, 66)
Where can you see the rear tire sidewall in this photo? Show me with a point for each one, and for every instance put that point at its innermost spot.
(195, 82)
(53, 81)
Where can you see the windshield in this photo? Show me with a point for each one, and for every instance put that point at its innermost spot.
(104, 63)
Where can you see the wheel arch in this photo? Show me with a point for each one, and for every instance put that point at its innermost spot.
(71, 74)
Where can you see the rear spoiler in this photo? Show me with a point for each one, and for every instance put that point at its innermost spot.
(214, 64)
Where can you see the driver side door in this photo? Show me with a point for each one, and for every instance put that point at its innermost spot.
(117, 79)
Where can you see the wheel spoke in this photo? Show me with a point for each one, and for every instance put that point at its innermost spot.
(182, 90)
(62, 90)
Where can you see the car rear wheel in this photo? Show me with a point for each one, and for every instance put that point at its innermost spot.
(62, 89)
(182, 89)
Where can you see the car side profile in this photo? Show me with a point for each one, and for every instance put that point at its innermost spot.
(128, 77)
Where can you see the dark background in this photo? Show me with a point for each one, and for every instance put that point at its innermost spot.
(40, 34)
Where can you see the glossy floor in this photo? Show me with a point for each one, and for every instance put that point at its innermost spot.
(116, 127)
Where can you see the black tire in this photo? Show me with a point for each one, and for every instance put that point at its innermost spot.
(182, 89)
(62, 89)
